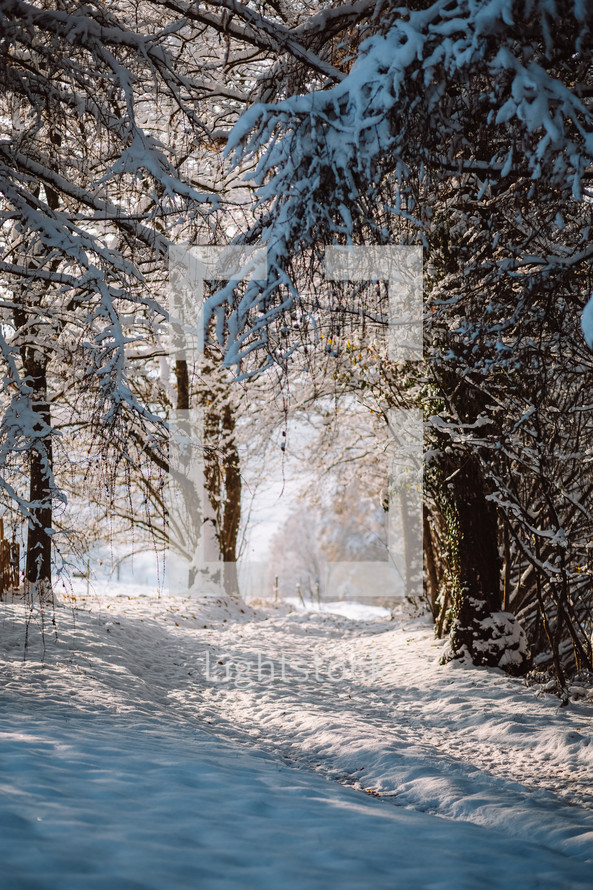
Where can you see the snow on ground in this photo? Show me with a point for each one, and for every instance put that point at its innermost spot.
(341, 607)
(145, 743)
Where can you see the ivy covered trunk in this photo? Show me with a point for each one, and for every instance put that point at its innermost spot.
(479, 626)
(477, 593)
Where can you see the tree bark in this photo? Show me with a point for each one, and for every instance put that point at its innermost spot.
(431, 569)
(222, 468)
(38, 571)
(480, 628)
(231, 510)
(479, 593)
(182, 376)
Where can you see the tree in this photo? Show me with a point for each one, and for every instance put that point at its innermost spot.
(117, 114)
(89, 194)
(465, 127)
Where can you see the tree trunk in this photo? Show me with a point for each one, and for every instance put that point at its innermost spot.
(480, 627)
(38, 563)
(222, 475)
(479, 593)
(231, 509)
(36, 352)
(431, 569)
(182, 377)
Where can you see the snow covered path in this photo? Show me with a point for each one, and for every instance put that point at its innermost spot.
(103, 744)
(99, 803)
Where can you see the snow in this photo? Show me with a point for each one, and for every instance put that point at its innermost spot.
(147, 745)
(347, 609)
(312, 155)
(587, 323)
